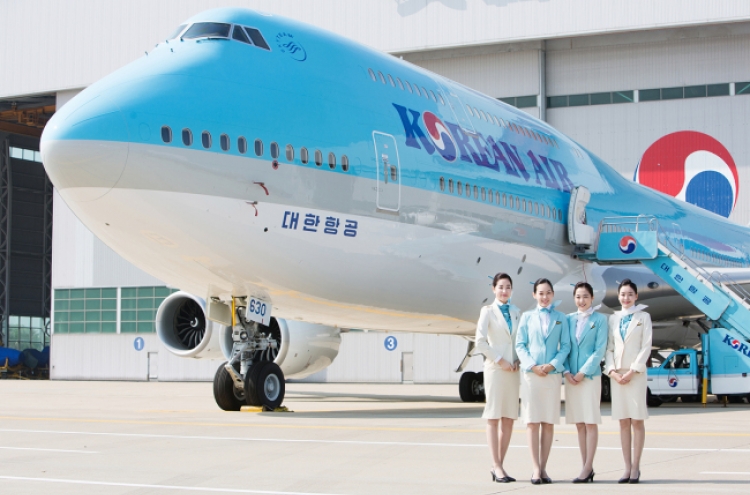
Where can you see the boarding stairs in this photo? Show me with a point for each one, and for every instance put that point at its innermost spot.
(628, 240)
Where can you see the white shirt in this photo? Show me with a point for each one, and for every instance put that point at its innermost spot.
(583, 317)
(544, 320)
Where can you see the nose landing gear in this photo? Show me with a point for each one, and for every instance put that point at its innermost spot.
(250, 377)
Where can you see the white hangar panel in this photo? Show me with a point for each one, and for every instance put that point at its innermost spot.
(77, 42)
(80, 259)
(499, 73)
(649, 60)
(620, 134)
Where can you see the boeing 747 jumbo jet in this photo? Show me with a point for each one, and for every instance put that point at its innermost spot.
(293, 183)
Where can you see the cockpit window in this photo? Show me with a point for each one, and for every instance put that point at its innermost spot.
(207, 30)
(239, 35)
(177, 32)
(257, 38)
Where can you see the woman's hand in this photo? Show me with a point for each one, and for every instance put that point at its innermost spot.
(616, 377)
(548, 368)
(505, 365)
(539, 370)
(627, 377)
(579, 377)
(570, 378)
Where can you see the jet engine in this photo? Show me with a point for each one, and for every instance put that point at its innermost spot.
(301, 348)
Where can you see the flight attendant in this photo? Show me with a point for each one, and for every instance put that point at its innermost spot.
(542, 345)
(583, 376)
(495, 339)
(628, 350)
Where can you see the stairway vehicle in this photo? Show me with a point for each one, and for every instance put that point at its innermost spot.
(722, 364)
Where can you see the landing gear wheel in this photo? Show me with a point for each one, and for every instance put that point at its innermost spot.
(471, 387)
(478, 388)
(225, 393)
(464, 386)
(264, 385)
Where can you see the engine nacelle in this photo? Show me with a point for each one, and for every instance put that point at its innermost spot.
(183, 328)
(304, 348)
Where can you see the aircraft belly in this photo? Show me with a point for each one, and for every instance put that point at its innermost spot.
(229, 229)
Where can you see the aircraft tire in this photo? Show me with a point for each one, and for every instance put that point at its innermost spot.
(652, 400)
(265, 385)
(606, 389)
(225, 394)
(465, 386)
(480, 397)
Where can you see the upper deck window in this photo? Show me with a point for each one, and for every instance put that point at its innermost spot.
(239, 35)
(207, 30)
(258, 39)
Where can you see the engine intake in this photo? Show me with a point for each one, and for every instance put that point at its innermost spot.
(183, 328)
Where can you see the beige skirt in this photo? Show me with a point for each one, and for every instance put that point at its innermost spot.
(501, 389)
(629, 400)
(582, 402)
(540, 398)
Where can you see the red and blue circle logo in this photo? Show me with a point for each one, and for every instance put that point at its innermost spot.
(693, 167)
(440, 135)
(628, 244)
(673, 382)
(735, 344)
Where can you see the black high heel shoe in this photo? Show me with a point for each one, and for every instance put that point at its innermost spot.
(634, 481)
(624, 480)
(536, 481)
(587, 479)
(500, 479)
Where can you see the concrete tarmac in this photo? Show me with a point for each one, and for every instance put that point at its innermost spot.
(170, 438)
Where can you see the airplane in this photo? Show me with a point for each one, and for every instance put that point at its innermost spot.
(293, 183)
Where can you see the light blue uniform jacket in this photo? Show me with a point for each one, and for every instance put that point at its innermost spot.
(534, 349)
(586, 357)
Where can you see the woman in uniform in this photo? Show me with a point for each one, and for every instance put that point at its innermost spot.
(583, 376)
(495, 339)
(628, 350)
(542, 345)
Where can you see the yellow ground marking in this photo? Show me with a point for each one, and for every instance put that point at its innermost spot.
(349, 428)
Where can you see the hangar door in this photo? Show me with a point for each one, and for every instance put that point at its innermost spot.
(25, 244)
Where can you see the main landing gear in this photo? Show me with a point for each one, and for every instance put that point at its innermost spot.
(471, 384)
(250, 377)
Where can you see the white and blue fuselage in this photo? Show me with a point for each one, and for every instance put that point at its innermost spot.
(351, 188)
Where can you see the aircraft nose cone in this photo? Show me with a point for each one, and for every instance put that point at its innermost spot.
(84, 148)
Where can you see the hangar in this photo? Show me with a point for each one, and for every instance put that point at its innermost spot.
(622, 77)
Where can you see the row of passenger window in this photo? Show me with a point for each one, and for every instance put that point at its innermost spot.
(411, 88)
(716, 259)
(473, 111)
(225, 144)
(519, 129)
(501, 199)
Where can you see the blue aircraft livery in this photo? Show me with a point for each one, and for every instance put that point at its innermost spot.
(253, 154)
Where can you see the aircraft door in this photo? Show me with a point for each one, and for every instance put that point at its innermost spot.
(388, 172)
(579, 232)
(458, 109)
